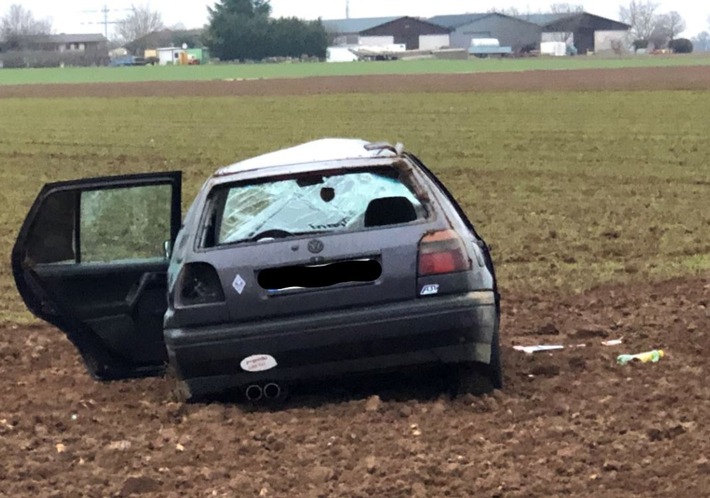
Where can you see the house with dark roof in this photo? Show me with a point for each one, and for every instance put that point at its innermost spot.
(510, 31)
(166, 38)
(55, 50)
(413, 33)
(347, 31)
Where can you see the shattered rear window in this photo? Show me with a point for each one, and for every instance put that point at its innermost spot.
(310, 204)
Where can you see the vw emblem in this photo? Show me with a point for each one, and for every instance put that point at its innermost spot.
(315, 246)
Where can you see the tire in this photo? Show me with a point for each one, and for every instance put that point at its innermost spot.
(471, 378)
(176, 389)
(478, 378)
(495, 368)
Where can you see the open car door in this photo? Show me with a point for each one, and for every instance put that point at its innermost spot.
(92, 258)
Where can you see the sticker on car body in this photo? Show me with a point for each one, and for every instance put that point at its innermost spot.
(239, 284)
(258, 363)
(429, 290)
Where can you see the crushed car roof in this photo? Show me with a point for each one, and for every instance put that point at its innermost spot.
(323, 150)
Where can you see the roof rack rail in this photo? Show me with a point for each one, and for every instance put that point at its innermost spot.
(398, 149)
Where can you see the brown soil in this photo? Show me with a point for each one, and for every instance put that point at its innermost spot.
(669, 78)
(570, 422)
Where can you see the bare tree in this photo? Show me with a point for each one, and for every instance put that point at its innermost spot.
(670, 25)
(702, 42)
(140, 22)
(19, 22)
(641, 16)
(508, 11)
(566, 8)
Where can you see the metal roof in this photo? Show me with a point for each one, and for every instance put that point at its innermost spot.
(343, 26)
(455, 20)
(545, 19)
(317, 151)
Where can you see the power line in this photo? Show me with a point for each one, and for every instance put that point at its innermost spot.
(105, 11)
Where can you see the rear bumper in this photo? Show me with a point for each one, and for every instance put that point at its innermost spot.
(446, 329)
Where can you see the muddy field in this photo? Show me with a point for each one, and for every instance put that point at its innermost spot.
(568, 423)
(669, 78)
(571, 422)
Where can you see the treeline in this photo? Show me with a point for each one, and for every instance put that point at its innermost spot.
(242, 30)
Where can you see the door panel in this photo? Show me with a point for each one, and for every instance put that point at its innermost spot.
(90, 259)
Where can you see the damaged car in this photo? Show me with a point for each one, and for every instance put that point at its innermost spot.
(330, 258)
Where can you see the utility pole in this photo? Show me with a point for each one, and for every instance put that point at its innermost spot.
(105, 11)
(347, 9)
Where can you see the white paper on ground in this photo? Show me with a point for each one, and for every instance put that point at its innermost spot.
(539, 347)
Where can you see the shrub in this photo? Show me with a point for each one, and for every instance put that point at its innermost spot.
(681, 46)
(639, 44)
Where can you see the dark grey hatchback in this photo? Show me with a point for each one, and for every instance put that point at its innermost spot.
(333, 257)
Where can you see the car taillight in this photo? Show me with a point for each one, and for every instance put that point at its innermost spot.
(199, 284)
(442, 252)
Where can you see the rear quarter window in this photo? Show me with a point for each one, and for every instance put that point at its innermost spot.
(310, 204)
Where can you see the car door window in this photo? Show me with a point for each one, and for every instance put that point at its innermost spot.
(124, 223)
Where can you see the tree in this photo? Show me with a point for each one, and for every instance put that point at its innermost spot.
(247, 9)
(702, 42)
(242, 30)
(641, 16)
(566, 8)
(18, 23)
(681, 46)
(671, 24)
(140, 22)
(238, 29)
(508, 11)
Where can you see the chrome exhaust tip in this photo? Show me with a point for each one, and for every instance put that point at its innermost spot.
(272, 390)
(253, 392)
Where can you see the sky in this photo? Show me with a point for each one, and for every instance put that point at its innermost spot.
(84, 16)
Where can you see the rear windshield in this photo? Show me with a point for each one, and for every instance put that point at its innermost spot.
(310, 204)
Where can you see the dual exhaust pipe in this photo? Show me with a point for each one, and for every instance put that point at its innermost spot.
(271, 391)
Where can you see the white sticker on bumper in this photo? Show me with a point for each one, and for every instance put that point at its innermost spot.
(258, 363)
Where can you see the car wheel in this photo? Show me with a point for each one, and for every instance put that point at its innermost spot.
(471, 378)
(495, 368)
(477, 378)
(177, 389)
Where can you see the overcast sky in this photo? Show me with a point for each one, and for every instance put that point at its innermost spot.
(71, 16)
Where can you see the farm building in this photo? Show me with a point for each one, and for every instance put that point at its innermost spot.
(413, 33)
(587, 32)
(55, 50)
(516, 33)
(347, 31)
(409, 31)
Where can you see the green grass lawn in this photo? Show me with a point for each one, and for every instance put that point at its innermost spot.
(571, 189)
(301, 70)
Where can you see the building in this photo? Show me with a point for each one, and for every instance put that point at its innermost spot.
(165, 38)
(55, 50)
(512, 32)
(588, 33)
(347, 31)
(413, 33)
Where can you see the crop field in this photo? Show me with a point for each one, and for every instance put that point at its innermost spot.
(317, 69)
(597, 208)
